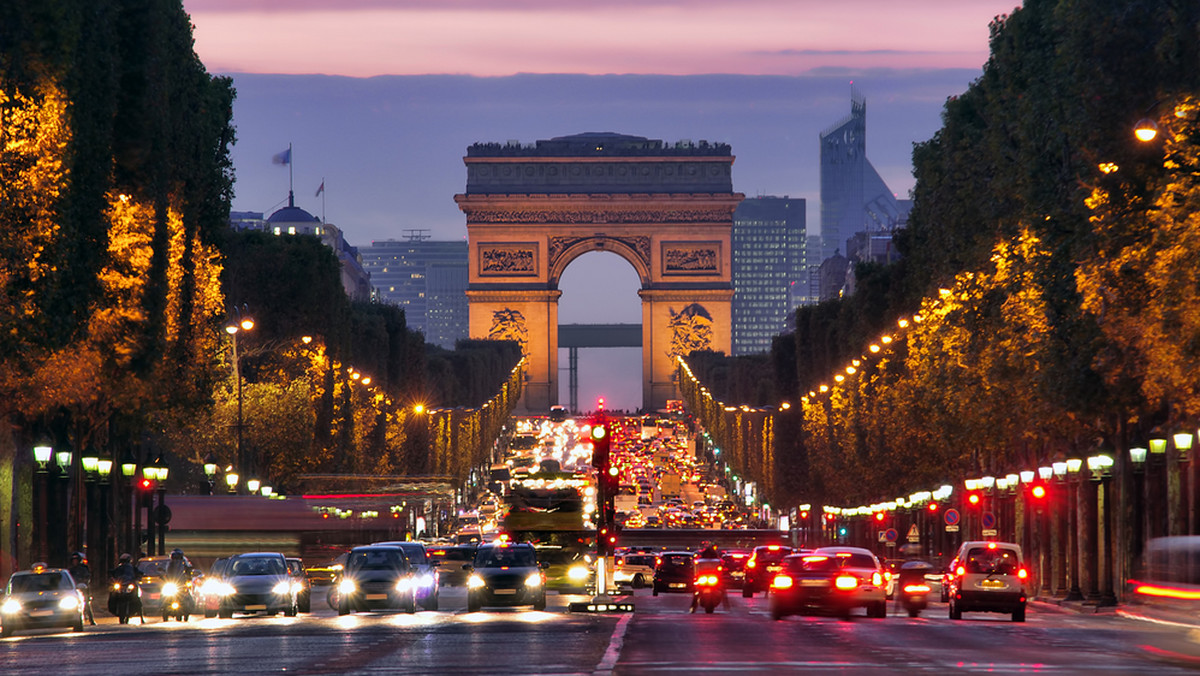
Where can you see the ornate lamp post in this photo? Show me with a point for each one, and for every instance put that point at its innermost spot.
(1074, 569)
(161, 513)
(210, 472)
(131, 527)
(1100, 467)
(42, 454)
(240, 321)
(231, 479)
(61, 508)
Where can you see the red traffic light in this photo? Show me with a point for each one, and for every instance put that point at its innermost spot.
(879, 516)
(1038, 491)
(146, 484)
(933, 506)
(600, 404)
(973, 498)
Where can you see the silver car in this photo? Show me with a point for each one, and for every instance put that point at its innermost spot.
(41, 597)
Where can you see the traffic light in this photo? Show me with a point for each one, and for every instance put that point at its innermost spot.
(1038, 491)
(612, 480)
(600, 446)
(879, 516)
(933, 507)
(973, 499)
(145, 484)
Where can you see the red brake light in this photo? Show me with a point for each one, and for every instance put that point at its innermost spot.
(916, 589)
(960, 571)
(845, 582)
(1022, 573)
(773, 548)
(782, 582)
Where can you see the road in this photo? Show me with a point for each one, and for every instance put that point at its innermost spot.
(659, 638)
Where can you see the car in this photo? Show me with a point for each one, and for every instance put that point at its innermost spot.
(257, 582)
(733, 568)
(41, 597)
(425, 570)
(325, 573)
(674, 572)
(829, 579)
(764, 562)
(152, 568)
(450, 560)
(635, 569)
(210, 589)
(303, 586)
(988, 576)
(506, 574)
(377, 577)
(566, 570)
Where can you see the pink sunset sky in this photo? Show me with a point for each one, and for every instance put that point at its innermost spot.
(364, 38)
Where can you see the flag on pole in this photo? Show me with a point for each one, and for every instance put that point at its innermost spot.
(284, 157)
(320, 189)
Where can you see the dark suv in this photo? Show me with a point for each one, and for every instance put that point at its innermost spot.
(674, 572)
(764, 562)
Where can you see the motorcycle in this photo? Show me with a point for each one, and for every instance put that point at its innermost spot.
(708, 592)
(124, 600)
(177, 600)
(912, 590)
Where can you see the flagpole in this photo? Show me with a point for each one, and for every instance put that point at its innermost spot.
(291, 183)
(323, 199)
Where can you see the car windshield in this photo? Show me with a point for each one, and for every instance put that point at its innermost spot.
(37, 582)
(986, 561)
(459, 555)
(771, 555)
(639, 561)
(377, 559)
(415, 553)
(493, 557)
(258, 565)
(676, 561)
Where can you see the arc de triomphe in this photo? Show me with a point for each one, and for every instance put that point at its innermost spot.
(666, 209)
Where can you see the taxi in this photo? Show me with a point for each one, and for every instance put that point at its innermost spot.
(38, 598)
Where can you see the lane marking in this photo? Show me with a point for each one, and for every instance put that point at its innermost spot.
(613, 653)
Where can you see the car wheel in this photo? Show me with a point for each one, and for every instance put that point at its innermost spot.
(639, 582)
(776, 613)
(914, 613)
(955, 612)
(166, 616)
(877, 610)
(747, 592)
(411, 606)
(6, 630)
(1019, 615)
(78, 626)
(945, 595)
(655, 591)
(540, 604)
(472, 603)
(291, 610)
(305, 602)
(209, 613)
(225, 613)
(432, 604)
(343, 607)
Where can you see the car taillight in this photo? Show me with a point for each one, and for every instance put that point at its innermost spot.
(960, 571)
(751, 563)
(1022, 573)
(707, 580)
(916, 589)
(782, 582)
(876, 579)
(846, 582)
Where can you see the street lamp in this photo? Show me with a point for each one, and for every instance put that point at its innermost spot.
(252, 485)
(210, 471)
(242, 321)
(42, 454)
(231, 479)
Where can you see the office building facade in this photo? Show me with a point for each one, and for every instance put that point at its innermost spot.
(769, 270)
(428, 279)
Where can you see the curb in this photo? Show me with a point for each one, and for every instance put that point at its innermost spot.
(1072, 607)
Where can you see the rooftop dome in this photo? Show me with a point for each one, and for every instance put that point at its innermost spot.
(292, 215)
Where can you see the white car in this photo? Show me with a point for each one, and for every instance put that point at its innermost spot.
(41, 597)
(635, 569)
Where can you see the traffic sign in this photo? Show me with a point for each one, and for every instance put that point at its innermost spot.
(891, 534)
(951, 517)
(990, 532)
(914, 535)
(988, 520)
(951, 529)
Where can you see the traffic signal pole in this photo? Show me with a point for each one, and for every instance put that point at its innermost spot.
(606, 475)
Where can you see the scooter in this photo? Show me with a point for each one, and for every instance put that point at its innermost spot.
(176, 600)
(124, 600)
(912, 590)
(708, 592)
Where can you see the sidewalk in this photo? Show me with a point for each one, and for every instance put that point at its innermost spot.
(1061, 605)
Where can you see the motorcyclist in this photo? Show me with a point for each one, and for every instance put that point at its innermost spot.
(177, 568)
(709, 561)
(125, 573)
(83, 577)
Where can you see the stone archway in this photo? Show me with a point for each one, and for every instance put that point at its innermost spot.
(667, 210)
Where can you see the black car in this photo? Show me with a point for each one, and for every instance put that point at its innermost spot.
(674, 572)
(425, 570)
(377, 577)
(506, 574)
(764, 562)
(450, 561)
(257, 582)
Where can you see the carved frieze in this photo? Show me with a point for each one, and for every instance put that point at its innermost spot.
(515, 259)
(509, 324)
(700, 215)
(691, 258)
(691, 329)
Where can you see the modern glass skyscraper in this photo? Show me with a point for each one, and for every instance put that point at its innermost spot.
(854, 197)
(428, 279)
(768, 266)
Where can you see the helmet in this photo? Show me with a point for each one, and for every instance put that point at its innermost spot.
(177, 553)
(126, 557)
(77, 555)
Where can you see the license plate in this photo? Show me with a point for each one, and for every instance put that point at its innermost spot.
(503, 592)
(41, 613)
(814, 583)
(677, 585)
(260, 606)
(154, 596)
(993, 584)
(376, 597)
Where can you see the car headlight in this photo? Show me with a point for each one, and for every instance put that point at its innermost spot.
(170, 589)
(225, 589)
(403, 584)
(578, 573)
(283, 587)
(347, 586)
(10, 606)
(427, 580)
(534, 580)
(297, 587)
(68, 603)
(474, 582)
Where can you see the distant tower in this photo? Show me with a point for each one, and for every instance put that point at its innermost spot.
(854, 198)
(768, 265)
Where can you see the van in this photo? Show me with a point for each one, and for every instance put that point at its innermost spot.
(988, 577)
